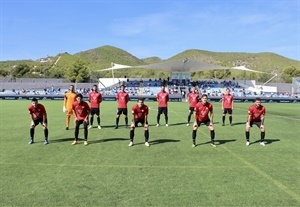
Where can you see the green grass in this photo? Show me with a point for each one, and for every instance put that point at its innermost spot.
(169, 173)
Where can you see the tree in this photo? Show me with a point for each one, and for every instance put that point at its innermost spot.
(4, 73)
(288, 73)
(20, 70)
(78, 72)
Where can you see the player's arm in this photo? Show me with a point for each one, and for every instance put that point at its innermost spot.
(65, 104)
(88, 109)
(222, 104)
(100, 98)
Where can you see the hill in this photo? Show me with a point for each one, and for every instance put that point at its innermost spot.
(102, 57)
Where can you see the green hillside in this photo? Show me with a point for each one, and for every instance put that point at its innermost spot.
(101, 57)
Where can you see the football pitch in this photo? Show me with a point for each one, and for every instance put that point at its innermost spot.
(168, 173)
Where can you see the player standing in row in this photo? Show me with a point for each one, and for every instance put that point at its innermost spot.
(122, 98)
(69, 99)
(139, 115)
(227, 106)
(38, 115)
(162, 98)
(256, 116)
(81, 110)
(193, 98)
(203, 114)
(95, 98)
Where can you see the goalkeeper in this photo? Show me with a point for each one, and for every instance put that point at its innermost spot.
(69, 99)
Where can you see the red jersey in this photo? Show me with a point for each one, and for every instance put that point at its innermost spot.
(95, 99)
(193, 99)
(140, 113)
(162, 98)
(81, 110)
(37, 112)
(227, 100)
(256, 112)
(122, 98)
(202, 111)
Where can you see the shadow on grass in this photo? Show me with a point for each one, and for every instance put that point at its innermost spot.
(108, 140)
(64, 140)
(162, 141)
(223, 141)
(218, 141)
(267, 141)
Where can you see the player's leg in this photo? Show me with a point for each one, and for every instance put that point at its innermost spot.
(131, 133)
(194, 133)
(158, 116)
(125, 112)
(85, 132)
(31, 132)
(76, 132)
(189, 116)
(69, 113)
(146, 133)
(230, 117)
(118, 118)
(68, 117)
(92, 113)
(262, 135)
(212, 133)
(223, 117)
(46, 132)
(247, 133)
(98, 118)
(166, 115)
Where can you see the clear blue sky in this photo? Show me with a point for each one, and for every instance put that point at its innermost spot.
(38, 28)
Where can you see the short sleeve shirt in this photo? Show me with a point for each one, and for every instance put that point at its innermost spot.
(122, 98)
(227, 101)
(163, 98)
(37, 112)
(202, 111)
(140, 113)
(95, 99)
(81, 110)
(256, 112)
(193, 99)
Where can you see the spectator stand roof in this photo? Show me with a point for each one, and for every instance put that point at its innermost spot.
(186, 65)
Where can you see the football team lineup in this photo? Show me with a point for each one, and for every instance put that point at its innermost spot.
(199, 108)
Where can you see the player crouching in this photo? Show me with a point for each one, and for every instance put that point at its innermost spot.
(38, 115)
(139, 115)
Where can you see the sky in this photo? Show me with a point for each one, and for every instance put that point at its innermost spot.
(33, 29)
